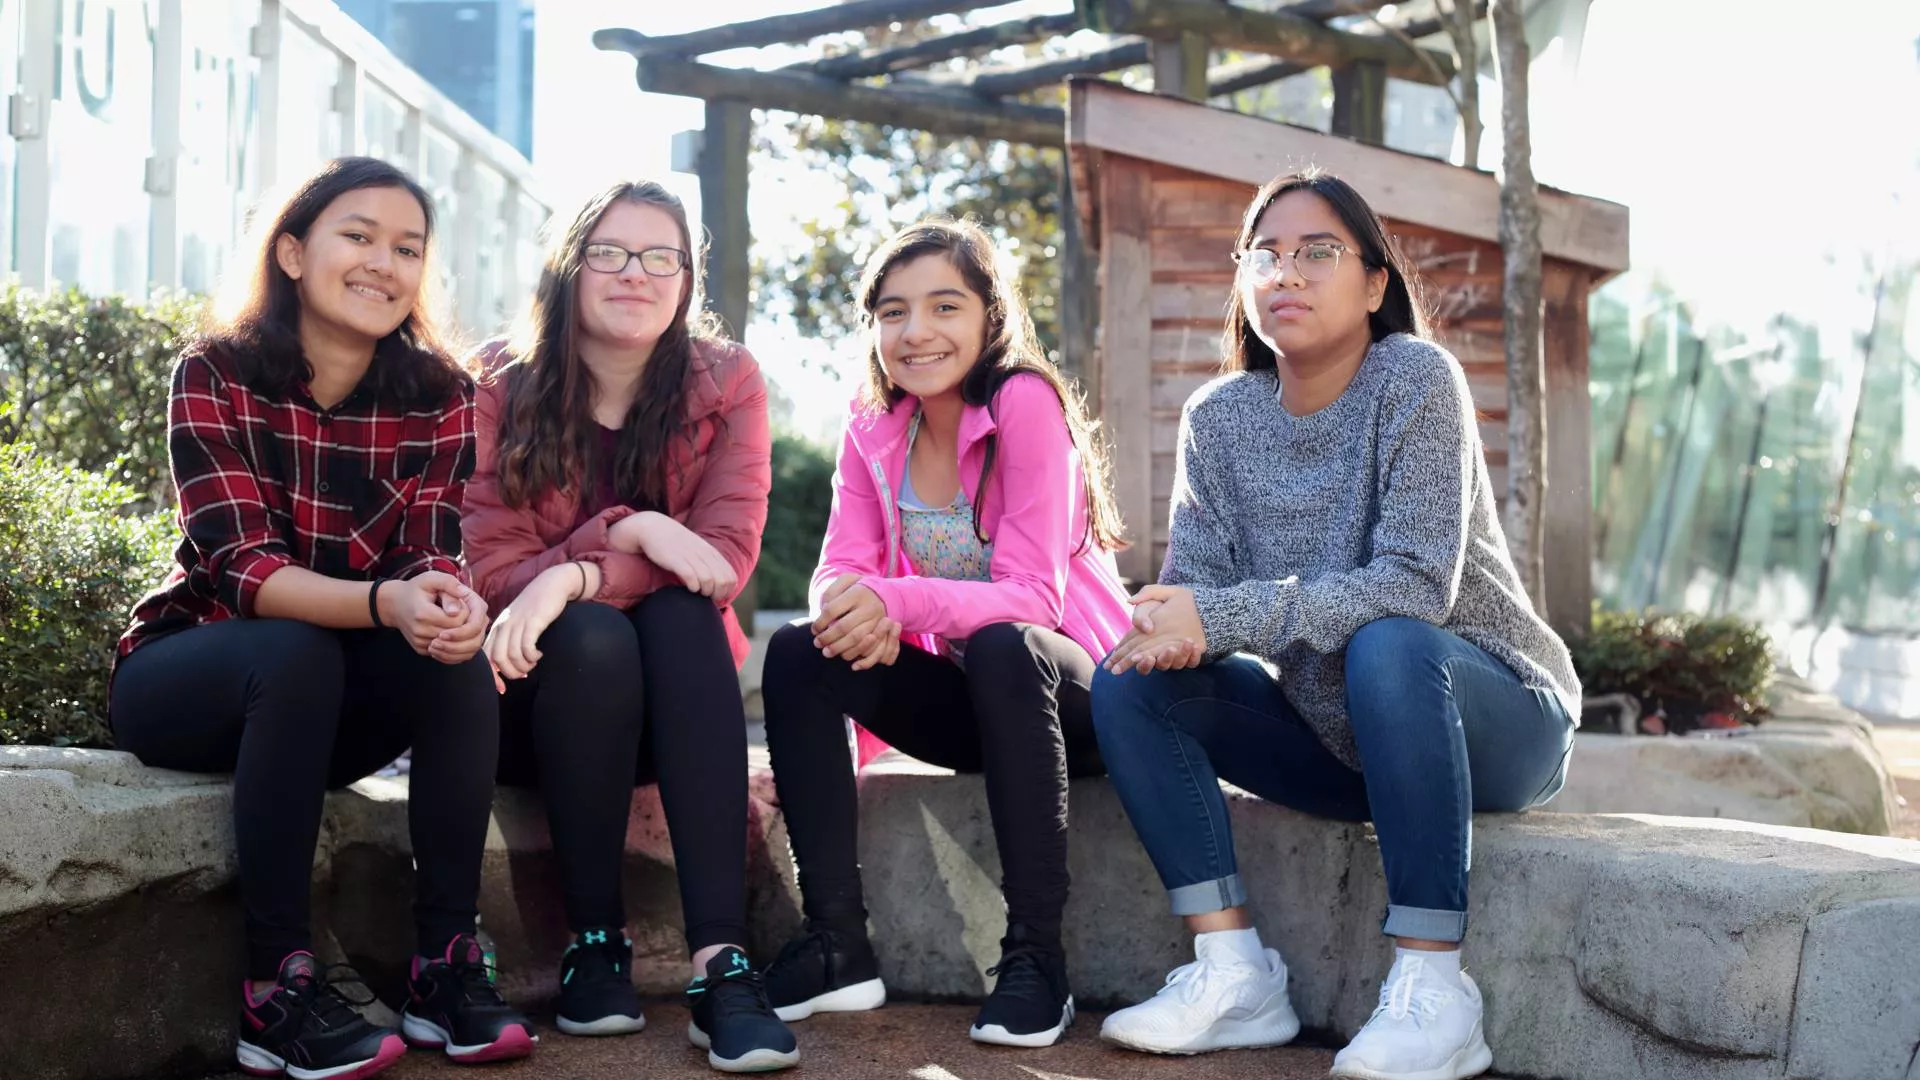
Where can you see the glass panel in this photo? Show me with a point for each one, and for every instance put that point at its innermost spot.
(219, 141)
(308, 125)
(103, 114)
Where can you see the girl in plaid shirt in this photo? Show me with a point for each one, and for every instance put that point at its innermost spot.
(318, 622)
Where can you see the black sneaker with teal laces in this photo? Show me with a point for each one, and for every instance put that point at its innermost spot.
(307, 1029)
(596, 985)
(456, 1008)
(732, 1020)
(1031, 1004)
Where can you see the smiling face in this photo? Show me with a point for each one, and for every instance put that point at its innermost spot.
(358, 269)
(929, 326)
(1301, 319)
(631, 308)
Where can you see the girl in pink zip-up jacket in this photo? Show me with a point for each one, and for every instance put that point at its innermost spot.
(965, 595)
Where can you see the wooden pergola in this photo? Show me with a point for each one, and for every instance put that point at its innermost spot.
(897, 87)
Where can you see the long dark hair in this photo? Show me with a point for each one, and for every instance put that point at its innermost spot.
(258, 323)
(547, 430)
(1400, 310)
(1011, 348)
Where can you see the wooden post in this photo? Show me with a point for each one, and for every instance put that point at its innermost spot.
(1360, 101)
(1180, 66)
(1126, 357)
(723, 213)
(1566, 562)
(1079, 295)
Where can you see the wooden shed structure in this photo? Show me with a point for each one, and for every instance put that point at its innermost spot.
(1160, 186)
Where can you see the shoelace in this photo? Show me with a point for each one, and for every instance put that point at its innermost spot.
(1409, 994)
(736, 992)
(322, 1000)
(1188, 982)
(794, 951)
(476, 984)
(1022, 973)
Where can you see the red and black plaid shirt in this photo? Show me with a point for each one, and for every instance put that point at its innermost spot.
(367, 489)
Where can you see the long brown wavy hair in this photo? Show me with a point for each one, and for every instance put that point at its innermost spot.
(257, 318)
(1400, 309)
(547, 430)
(1011, 348)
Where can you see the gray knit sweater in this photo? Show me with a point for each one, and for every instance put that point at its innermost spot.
(1296, 531)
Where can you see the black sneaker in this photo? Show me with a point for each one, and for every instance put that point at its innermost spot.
(307, 1029)
(825, 970)
(732, 1021)
(596, 985)
(1030, 1004)
(456, 1006)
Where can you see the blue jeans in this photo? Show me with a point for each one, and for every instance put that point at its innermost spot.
(1443, 729)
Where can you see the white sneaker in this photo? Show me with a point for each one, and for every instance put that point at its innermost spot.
(1427, 1027)
(1218, 1002)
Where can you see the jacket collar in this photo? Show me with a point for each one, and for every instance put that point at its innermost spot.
(878, 432)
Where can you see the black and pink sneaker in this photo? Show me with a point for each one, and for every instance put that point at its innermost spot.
(307, 1029)
(455, 1006)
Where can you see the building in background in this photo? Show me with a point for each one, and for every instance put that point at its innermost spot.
(477, 52)
(140, 133)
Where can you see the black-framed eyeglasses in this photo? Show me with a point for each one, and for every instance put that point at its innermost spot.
(613, 259)
(1314, 261)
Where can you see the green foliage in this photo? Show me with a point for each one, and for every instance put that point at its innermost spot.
(73, 560)
(1689, 665)
(796, 521)
(84, 380)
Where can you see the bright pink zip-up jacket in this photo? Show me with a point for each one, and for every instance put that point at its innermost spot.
(1045, 573)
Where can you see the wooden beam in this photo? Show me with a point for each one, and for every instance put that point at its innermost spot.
(1289, 37)
(1018, 79)
(939, 111)
(1180, 66)
(873, 62)
(776, 29)
(1360, 102)
(1247, 74)
(1322, 10)
(1118, 121)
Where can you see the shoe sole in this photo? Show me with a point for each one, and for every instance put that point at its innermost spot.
(257, 1062)
(513, 1042)
(606, 1025)
(1276, 1029)
(1000, 1036)
(1469, 1061)
(860, 997)
(762, 1059)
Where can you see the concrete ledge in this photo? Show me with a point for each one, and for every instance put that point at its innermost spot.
(1822, 776)
(1608, 946)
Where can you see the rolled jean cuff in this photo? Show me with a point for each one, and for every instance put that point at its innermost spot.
(1425, 924)
(1206, 897)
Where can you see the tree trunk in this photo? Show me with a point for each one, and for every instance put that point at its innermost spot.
(1466, 61)
(1520, 244)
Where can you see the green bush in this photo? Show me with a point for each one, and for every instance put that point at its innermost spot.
(1690, 667)
(796, 520)
(84, 380)
(73, 560)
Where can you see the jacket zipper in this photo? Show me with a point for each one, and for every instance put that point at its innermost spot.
(886, 512)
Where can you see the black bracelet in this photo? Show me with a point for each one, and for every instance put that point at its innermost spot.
(373, 603)
(582, 567)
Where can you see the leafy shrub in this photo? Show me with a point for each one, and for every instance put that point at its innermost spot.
(72, 562)
(84, 379)
(796, 520)
(1694, 669)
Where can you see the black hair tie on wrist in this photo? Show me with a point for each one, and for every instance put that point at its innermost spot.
(373, 603)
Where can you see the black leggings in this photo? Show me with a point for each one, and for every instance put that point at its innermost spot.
(574, 728)
(1019, 712)
(293, 709)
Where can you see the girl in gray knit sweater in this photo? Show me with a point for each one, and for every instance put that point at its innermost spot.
(1338, 627)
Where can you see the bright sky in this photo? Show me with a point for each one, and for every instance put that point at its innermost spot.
(1766, 156)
